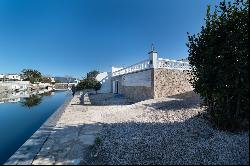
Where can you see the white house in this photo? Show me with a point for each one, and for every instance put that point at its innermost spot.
(1, 76)
(6, 77)
(152, 78)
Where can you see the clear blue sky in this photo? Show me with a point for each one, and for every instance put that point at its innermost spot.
(72, 37)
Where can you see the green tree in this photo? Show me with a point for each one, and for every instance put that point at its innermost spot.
(220, 67)
(31, 75)
(97, 85)
(92, 74)
(90, 82)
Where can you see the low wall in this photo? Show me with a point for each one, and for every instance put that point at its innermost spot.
(169, 82)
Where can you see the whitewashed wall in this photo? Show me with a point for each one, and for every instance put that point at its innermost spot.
(142, 78)
(105, 79)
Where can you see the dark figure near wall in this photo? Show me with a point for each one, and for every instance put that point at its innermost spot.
(73, 88)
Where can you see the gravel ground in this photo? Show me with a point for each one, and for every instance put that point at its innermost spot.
(165, 131)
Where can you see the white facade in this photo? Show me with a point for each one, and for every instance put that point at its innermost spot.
(13, 77)
(10, 77)
(137, 79)
(105, 79)
(1, 76)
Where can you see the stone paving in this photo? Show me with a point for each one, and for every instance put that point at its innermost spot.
(72, 137)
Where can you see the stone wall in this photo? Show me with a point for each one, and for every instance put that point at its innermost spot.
(137, 93)
(170, 82)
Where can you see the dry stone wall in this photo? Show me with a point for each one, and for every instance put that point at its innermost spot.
(171, 82)
(137, 93)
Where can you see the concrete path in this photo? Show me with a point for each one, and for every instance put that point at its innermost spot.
(72, 137)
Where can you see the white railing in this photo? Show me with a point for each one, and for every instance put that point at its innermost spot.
(173, 64)
(133, 68)
(161, 63)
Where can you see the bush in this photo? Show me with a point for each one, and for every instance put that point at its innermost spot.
(219, 59)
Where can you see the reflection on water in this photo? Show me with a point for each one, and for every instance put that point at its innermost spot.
(31, 101)
(28, 99)
(21, 114)
(34, 100)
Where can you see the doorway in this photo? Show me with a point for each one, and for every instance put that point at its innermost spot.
(116, 87)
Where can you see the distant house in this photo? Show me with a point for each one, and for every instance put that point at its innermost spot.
(1, 77)
(13, 77)
(10, 77)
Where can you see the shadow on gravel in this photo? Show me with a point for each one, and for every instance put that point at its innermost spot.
(185, 95)
(180, 101)
(192, 141)
(119, 99)
(185, 143)
(108, 99)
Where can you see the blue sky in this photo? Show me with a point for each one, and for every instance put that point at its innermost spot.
(72, 37)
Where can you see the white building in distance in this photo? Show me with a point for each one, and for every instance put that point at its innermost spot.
(11, 77)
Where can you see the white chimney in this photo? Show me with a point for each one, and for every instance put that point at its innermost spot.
(153, 57)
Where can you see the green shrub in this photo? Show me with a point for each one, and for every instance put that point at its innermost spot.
(97, 86)
(98, 141)
(219, 59)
